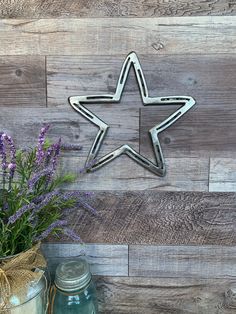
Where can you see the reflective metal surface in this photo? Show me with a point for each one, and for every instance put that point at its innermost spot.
(93, 163)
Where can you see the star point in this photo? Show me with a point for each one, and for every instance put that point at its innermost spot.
(77, 103)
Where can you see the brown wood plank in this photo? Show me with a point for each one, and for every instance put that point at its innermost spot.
(134, 295)
(124, 174)
(210, 79)
(107, 36)
(106, 260)
(22, 81)
(113, 8)
(151, 217)
(205, 131)
(182, 261)
(222, 175)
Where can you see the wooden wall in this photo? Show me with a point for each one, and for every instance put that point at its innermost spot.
(161, 245)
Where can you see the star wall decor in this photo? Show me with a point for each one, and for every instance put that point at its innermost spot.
(93, 162)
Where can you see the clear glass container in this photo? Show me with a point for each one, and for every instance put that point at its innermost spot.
(74, 291)
(34, 302)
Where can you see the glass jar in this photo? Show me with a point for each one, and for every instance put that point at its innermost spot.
(74, 291)
(34, 298)
(34, 302)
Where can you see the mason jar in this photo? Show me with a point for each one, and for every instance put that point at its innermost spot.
(74, 291)
(33, 299)
(33, 302)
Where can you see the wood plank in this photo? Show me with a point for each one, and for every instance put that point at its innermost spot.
(24, 126)
(151, 217)
(208, 78)
(113, 8)
(22, 81)
(107, 36)
(182, 261)
(106, 260)
(222, 175)
(205, 131)
(134, 295)
(124, 174)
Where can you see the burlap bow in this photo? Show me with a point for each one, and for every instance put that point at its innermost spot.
(18, 272)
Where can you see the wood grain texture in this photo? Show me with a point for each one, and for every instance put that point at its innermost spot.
(106, 260)
(113, 8)
(133, 295)
(205, 131)
(107, 36)
(208, 78)
(24, 126)
(222, 175)
(182, 261)
(124, 174)
(151, 217)
(22, 81)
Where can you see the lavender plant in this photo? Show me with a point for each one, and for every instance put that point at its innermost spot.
(32, 203)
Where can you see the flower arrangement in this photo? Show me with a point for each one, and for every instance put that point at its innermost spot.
(32, 204)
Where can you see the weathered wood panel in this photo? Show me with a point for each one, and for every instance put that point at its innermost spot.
(24, 126)
(106, 260)
(22, 81)
(133, 295)
(210, 79)
(151, 217)
(222, 175)
(113, 8)
(117, 36)
(182, 261)
(202, 132)
(124, 174)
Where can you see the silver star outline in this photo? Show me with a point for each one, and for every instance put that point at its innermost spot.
(77, 102)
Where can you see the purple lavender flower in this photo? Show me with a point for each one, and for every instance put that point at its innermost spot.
(10, 142)
(57, 148)
(41, 140)
(38, 176)
(54, 225)
(48, 154)
(40, 198)
(78, 197)
(45, 201)
(3, 153)
(71, 234)
(18, 214)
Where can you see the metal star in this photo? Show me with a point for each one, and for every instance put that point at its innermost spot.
(76, 102)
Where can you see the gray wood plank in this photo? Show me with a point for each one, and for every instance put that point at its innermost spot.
(106, 260)
(182, 261)
(208, 78)
(24, 126)
(134, 295)
(222, 175)
(163, 218)
(113, 8)
(205, 131)
(183, 174)
(22, 81)
(105, 36)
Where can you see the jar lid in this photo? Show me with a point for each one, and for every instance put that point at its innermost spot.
(72, 275)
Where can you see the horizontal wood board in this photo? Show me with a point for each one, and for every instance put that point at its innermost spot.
(113, 8)
(151, 217)
(107, 36)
